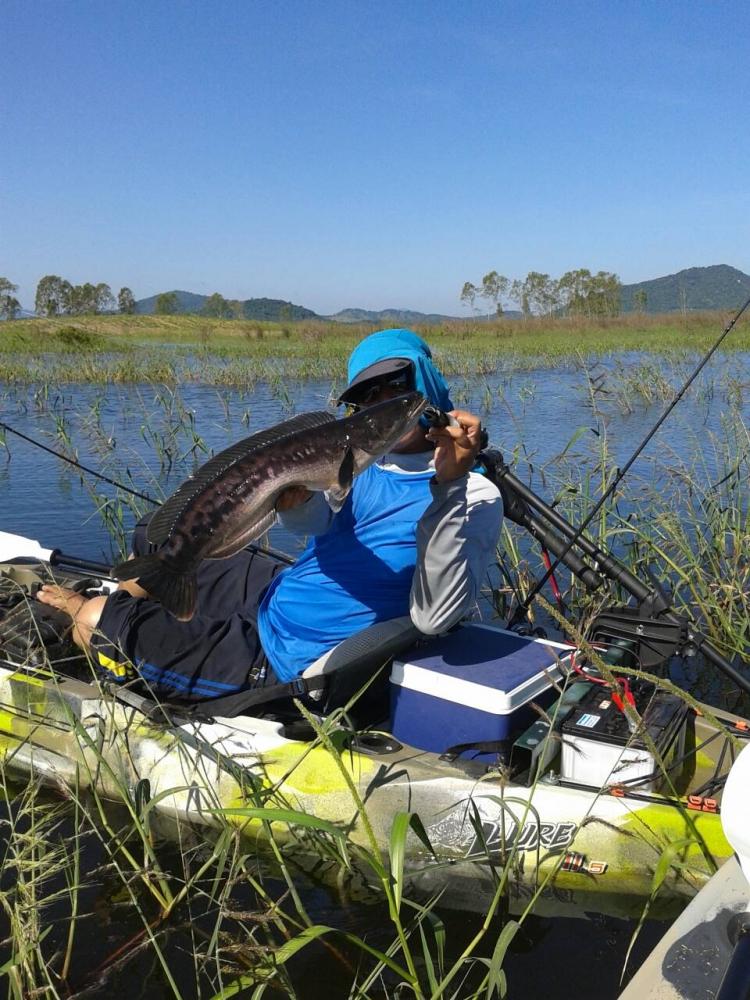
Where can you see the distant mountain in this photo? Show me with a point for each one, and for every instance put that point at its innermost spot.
(188, 302)
(696, 288)
(275, 309)
(265, 309)
(390, 317)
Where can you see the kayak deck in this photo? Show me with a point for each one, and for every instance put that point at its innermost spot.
(577, 845)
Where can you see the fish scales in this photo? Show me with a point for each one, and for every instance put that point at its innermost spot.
(262, 476)
(232, 498)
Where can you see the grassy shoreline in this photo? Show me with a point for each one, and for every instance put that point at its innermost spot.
(643, 332)
(176, 349)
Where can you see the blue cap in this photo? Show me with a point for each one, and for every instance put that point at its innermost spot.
(398, 346)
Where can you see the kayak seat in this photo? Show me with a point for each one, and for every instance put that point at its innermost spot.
(354, 661)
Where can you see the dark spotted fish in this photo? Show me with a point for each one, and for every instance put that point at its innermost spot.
(232, 498)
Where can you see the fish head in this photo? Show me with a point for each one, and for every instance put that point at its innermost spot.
(375, 429)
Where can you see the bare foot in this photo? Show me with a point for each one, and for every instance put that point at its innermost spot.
(62, 598)
(85, 612)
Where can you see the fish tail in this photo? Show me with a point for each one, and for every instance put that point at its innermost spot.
(175, 589)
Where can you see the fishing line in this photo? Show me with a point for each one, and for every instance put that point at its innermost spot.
(523, 609)
(79, 465)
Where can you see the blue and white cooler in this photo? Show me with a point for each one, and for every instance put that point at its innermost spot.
(472, 685)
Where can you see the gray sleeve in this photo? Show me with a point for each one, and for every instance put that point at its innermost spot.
(456, 539)
(311, 518)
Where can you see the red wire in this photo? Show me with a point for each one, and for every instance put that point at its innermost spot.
(617, 698)
(552, 581)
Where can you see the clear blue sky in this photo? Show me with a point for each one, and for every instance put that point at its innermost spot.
(370, 154)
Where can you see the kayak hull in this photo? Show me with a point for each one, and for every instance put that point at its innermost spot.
(565, 848)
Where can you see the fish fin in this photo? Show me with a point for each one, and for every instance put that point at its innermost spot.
(162, 523)
(345, 478)
(177, 591)
(346, 471)
(244, 537)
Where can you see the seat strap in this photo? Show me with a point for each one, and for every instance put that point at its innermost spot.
(231, 705)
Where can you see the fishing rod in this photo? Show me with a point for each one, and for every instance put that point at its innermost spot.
(654, 624)
(79, 465)
(523, 609)
(604, 562)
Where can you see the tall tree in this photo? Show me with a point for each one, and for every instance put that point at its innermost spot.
(52, 295)
(640, 300)
(494, 287)
(9, 304)
(517, 294)
(586, 294)
(469, 294)
(126, 301)
(605, 294)
(540, 294)
(575, 288)
(217, 306)
(167, 304)
(105, 300)
(83, 299)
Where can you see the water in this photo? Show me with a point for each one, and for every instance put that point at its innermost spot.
(531, 416)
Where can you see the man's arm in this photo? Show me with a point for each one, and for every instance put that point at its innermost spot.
(456, 539)
(457, 534)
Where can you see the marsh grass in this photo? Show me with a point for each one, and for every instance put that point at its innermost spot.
(176, 349)
(683, 522)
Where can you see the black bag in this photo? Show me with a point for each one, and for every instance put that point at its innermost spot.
(34, 633)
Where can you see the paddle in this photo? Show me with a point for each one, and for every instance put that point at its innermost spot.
(14, 547)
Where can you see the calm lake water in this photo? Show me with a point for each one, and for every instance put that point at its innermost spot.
(152, 437)
(531, 416)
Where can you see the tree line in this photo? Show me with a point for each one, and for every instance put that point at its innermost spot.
(55, 296)
(575, 293)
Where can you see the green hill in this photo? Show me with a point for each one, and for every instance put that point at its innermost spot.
(691, 290)
(265, 309)
(388, 317)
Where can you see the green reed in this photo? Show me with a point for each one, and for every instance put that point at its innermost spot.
(683, 521)
(120, 349)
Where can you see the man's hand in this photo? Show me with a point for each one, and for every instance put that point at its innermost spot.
(293, 496)
(456, 447)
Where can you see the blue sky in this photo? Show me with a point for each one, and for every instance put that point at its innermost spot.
(371, 154)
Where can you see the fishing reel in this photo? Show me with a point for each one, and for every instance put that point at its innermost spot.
(639, 639)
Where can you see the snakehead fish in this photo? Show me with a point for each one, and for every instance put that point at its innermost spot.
(232, 498)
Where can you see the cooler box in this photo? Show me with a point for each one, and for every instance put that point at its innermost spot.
(471, 685)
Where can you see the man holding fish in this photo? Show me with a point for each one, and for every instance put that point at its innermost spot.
(398, 523)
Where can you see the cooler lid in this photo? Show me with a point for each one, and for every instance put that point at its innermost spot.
(480, 666)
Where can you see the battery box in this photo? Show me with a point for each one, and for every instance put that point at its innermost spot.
(599, 749)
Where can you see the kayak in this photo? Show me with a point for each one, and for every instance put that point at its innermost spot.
(513, 757)
(707, 949)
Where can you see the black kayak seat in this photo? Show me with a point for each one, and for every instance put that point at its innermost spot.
(352, 663)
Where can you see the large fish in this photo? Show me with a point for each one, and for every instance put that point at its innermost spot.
(232, 498)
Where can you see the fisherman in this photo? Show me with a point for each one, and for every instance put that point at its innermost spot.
(414, 536)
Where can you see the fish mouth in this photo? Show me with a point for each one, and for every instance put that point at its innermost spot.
(376, 428)
(417, 407)
(412, 405)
